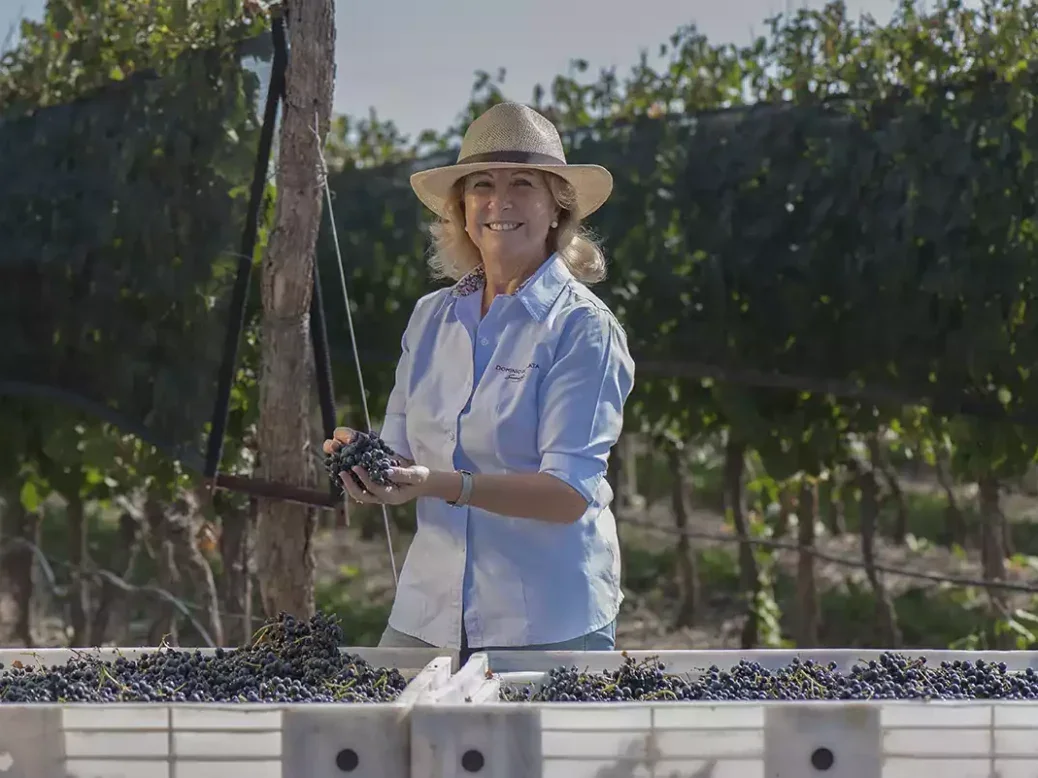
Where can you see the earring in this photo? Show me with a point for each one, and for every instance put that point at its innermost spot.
(554, 224)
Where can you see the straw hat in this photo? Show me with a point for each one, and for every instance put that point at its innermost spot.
(511, 135)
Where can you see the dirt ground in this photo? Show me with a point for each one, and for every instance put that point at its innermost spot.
(643, 625)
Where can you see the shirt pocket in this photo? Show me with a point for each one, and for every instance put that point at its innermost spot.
(437, 392)
(430, 428)
(517, 416)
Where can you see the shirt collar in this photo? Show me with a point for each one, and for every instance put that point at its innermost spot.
(537, 294)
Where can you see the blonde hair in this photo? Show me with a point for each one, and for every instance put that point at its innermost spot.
(454, 254)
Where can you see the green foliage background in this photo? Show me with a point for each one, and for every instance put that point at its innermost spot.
(130, 129)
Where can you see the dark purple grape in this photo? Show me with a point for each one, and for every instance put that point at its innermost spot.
(891, 677)
(287, 660)
(368, 450)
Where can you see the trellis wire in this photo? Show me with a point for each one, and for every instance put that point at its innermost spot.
(353, 334)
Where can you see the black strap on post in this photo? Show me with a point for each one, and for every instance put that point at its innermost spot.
(239, 296)
(322, 354)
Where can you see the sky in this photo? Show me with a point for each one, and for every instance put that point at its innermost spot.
(414, 60)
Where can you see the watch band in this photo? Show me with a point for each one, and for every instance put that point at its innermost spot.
(466, 490)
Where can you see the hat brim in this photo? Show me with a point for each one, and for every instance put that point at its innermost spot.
(592, 184)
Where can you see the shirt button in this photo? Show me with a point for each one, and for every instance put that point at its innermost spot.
(485, 341)
(450, 436)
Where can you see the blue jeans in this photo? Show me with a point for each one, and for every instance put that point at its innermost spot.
(603, 639)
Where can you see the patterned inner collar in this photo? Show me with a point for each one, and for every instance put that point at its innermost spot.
(474, 280)
(471, 282)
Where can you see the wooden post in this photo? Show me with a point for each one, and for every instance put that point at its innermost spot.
(284, 530)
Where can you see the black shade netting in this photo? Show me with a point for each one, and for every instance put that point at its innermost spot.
(886, 250)
(122, 216)
(888, 245)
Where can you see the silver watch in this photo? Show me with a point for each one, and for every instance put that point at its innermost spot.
(466, 490)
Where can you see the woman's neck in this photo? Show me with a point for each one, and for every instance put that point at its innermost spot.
(506, 277)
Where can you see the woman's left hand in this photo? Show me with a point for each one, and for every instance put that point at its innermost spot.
(406, 485)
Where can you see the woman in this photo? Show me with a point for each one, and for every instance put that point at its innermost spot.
(509, 396)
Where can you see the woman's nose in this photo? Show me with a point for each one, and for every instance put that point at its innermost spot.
(500, 199)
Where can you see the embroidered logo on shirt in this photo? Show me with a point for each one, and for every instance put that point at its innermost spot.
(516, 373)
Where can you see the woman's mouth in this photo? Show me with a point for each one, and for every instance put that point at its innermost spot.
(503, 226)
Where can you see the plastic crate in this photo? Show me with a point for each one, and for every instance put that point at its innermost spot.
(217, 740)
(493, 739)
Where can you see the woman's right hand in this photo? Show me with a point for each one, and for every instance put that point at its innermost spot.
(340, 438)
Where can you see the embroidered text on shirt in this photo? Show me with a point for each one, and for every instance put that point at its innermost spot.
(516, 373)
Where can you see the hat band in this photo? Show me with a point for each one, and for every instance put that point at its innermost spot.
(512, 157)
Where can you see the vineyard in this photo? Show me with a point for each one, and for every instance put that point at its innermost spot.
(822, 246)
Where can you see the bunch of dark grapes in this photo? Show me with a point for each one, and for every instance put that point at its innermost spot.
(368, 450)
(287, 661)
(891, 677)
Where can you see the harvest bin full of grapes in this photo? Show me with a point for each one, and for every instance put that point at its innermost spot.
(292, 702)
(734, 714)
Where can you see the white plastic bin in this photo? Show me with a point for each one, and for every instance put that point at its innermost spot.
(491, 739)
(192, 740)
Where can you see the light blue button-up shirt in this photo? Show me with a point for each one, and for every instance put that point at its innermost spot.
(537, 385)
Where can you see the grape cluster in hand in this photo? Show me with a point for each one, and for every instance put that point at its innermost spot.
(287, 661)
(892, 677)
(369, 451)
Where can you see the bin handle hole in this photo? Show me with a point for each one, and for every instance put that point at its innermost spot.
(822, 759)
(347, 760)
(472, 761)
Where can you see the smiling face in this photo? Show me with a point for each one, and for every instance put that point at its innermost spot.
(508, 214)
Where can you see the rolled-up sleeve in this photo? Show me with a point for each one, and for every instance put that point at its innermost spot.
(582, 400)
(394, 426)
